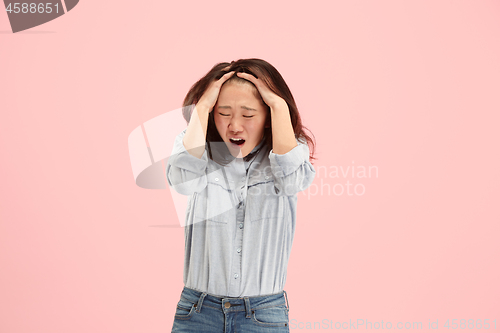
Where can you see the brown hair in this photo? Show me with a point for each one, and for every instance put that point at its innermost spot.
(260, 69)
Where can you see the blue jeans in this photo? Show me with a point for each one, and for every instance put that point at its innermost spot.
(200, 312)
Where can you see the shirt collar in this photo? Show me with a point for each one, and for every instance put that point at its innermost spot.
(254, 151)
(258, 146)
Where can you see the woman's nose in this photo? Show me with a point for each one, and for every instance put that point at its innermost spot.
(235, 125)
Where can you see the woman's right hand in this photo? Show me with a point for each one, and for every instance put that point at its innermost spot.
(196, 133)
(210, 96)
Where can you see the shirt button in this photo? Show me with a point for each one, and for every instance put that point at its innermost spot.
(216, 179)
(236, 276)
(238, 250)
(243, 179)
(241, 225)
(267, 177)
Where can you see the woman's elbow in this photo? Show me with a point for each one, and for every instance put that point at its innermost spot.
(184, 186)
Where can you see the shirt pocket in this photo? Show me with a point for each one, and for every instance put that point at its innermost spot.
(262, 200)
(216, 203)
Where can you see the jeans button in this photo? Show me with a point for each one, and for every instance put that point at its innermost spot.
(227, 305)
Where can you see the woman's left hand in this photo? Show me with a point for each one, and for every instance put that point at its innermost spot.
(268, 96)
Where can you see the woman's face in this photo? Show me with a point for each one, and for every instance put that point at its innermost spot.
(240, 117)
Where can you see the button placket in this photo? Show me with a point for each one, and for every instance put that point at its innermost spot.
(240, 184)
(237, 249)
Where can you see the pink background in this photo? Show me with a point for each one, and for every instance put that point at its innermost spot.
(409, 87)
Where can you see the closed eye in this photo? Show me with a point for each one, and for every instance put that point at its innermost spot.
(226, 115)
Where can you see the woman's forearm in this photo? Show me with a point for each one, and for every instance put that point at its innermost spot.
(283, 135)
(196, 132)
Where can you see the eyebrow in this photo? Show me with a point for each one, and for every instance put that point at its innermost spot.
(243, 107)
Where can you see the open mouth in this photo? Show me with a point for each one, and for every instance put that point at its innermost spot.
(238, 142)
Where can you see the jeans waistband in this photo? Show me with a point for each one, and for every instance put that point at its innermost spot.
(232, 304)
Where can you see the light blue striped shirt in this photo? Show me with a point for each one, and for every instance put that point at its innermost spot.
(239, 224)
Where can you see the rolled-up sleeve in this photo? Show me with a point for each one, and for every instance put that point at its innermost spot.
(186, 173)
(292, 171)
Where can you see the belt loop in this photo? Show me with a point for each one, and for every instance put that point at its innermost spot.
(200, 301)
(247, 306)
(286, 297)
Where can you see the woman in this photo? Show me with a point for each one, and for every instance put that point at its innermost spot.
(242, 160)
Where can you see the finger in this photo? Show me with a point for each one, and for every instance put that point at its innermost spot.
(220, 81)
(223, 79)
(226, 76)
(247, 76)
(251, 78)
